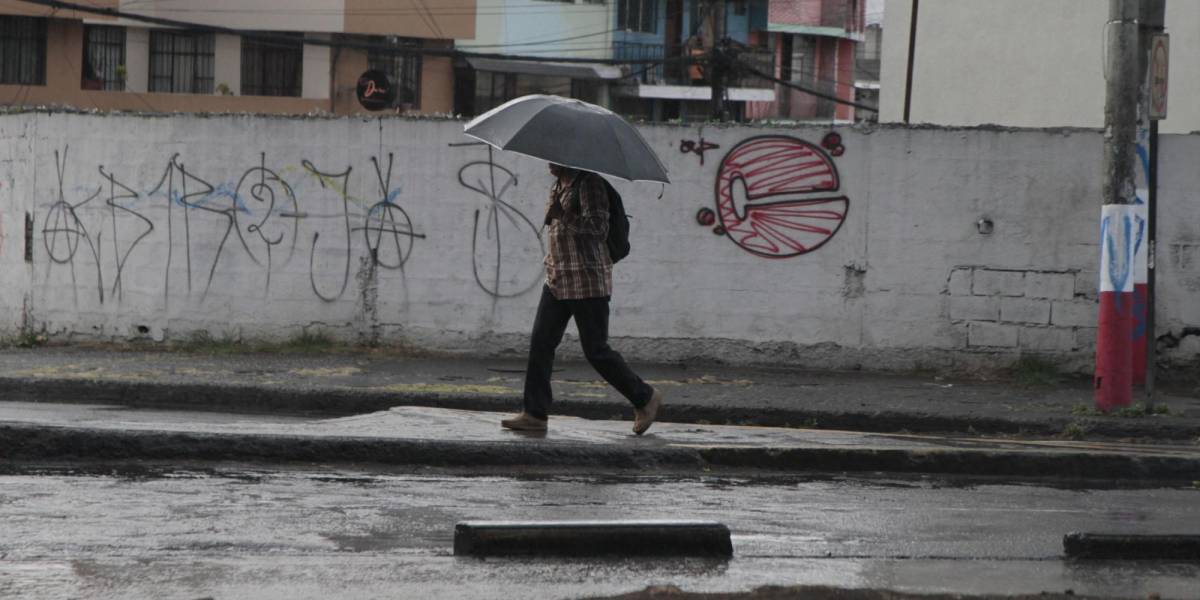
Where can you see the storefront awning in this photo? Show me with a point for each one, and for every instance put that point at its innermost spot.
(553, 69)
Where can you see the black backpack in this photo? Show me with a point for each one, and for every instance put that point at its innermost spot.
(618, 225)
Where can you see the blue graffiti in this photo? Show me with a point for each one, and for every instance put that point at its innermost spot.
(1120, 265)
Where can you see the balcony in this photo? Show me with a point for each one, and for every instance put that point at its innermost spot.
(684, 73)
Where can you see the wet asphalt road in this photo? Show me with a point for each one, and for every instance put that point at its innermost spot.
(233, 532)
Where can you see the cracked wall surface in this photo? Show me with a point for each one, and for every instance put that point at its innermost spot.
(887, 248)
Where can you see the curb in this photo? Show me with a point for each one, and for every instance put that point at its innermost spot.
(592, 538)
(345, 402)
(35, 442)
(1132, 547)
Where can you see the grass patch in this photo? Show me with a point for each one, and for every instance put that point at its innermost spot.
(1035, 371)
(308, 342)
(1134, 411)
(202, 342)
(29, 339)
(1073, 431)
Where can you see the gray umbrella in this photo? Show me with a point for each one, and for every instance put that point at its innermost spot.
(572, 133)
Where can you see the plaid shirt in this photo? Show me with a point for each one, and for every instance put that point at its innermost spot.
(577, 263)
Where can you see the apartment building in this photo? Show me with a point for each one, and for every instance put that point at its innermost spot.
(814, 45)
(307, 57)
(626, 32)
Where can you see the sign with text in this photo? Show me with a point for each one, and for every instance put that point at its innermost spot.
(375, 91)
(1160, 45)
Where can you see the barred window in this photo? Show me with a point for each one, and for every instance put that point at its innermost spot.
(404, 70)
(181, 62)
(103, 58)
(273, 67)
(638, 15)
(22, 50)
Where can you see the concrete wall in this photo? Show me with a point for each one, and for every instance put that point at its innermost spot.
(1023, 63)
(870, 255)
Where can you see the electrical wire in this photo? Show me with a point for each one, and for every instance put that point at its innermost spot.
(738, 64)
(287, 41)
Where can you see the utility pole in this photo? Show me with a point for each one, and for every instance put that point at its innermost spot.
(720, 60)
(1152, 21)
(1119, 226)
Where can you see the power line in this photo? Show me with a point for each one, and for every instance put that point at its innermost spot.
(791, 84)
(285, 40)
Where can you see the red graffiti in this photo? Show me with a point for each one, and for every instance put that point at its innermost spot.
(776, 196)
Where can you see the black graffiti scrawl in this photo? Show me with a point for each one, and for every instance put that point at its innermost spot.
(218, 232)
(506, 246)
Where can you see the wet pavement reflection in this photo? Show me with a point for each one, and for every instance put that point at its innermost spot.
(227, 531)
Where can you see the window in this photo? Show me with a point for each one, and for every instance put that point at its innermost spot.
(181, 63)
(638, 15)
(103, 58)
(493, 89)
(23, 50)
(273, 67)
(404, 70)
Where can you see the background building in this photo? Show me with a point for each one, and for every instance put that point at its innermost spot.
(90, 61)
(814, 45)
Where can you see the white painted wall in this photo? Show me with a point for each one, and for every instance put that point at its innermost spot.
(137, 59)
(1023, 63)
(316, 68)
(906, 281)
(227, 63)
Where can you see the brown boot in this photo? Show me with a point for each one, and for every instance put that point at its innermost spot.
(644, 417)
(524, 422)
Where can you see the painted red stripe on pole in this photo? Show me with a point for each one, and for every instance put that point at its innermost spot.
(1122, 231)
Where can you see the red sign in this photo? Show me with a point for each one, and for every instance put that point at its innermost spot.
(1159, 52)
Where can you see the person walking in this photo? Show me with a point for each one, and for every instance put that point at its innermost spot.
(578, 285)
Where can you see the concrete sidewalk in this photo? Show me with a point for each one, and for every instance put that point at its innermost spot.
(339, 384)
(438, 437)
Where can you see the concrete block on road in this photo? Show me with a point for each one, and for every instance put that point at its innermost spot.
(592, 538)
(1125, 547)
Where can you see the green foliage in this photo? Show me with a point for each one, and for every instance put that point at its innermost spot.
(29, 339)
(1031, 370)
(306, 342)
(1073, 431)
(1135, 411)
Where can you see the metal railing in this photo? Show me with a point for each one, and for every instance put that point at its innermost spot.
(680, 72)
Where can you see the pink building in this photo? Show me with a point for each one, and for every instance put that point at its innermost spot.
(814, 44)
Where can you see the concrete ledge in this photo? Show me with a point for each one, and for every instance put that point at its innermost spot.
(1127, 547)
(340, 402)
(593, 538)
(33, 442)
(27, 442)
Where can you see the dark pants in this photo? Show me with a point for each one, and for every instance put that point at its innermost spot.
(591, 318)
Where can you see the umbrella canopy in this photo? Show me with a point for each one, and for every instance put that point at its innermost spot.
(571, 133)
